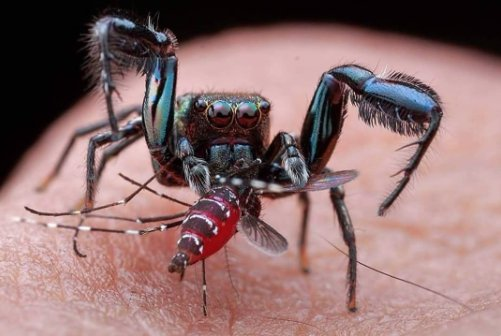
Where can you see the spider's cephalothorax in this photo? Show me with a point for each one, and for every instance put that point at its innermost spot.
(215, 134)
(196, 139)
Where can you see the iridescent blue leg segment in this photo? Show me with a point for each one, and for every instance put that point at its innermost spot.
(117, 44)
(398, 102)
(159, 116)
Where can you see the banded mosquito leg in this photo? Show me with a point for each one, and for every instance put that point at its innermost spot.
(86, 228)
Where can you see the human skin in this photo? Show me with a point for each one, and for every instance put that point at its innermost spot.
(442, 233)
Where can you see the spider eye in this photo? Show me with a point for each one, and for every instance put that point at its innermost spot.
(264, 106)
(219, 114)
(247, 115)
(200, 105)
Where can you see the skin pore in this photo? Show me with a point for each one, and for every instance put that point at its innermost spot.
(442, 233)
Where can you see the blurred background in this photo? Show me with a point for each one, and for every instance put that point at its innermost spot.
(49, 59)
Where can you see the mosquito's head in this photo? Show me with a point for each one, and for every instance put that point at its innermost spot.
(179, 263)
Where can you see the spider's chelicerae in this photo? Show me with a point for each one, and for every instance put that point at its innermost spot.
(218, 143)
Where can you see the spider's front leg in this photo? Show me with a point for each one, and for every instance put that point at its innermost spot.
(123, 44)
(319, 135)
(399, 102)
(171, 151)
(117, 44)
(286, 161)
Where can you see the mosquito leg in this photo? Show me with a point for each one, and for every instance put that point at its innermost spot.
(75, 240)
(139, 220)
(162, 195)
(142, 232)
(89, 210)
(204, 289)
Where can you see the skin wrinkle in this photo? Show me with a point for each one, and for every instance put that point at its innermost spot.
(115, 276)
(452, 218)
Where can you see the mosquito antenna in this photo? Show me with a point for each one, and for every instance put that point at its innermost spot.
(162, 195)
(404, 280)
(75, 240)
(89, 210)
(139, 220)
(54, 225)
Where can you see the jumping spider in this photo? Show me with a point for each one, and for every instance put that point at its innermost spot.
(195, 139)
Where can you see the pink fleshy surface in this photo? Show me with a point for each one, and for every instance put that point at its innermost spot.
(443, 233)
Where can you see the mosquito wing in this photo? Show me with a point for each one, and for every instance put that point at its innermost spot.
(326, 180)
(262, 235)
(316, 182)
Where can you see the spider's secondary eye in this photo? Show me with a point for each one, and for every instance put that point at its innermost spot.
(220, 114)
(200, 105)
(264, 106)
(247, 115)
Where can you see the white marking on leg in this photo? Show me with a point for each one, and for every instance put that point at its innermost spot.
(296, 169)
(237, 182)
(273, 187)
(258, 184)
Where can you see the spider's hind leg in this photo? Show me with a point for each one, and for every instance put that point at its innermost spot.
(125, 137)
(78, 133)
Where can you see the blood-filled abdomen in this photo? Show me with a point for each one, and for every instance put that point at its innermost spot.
(207, 227)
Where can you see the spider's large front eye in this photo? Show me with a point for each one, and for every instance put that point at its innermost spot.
(219, 114)
(247, 115)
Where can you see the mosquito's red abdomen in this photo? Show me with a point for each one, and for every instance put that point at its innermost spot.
(207, 227)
